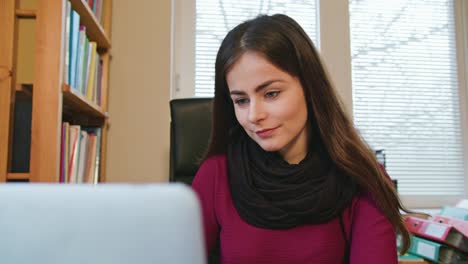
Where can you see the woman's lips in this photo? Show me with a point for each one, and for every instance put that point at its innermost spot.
(266, 132)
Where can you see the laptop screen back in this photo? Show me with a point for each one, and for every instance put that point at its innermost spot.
(106, 224)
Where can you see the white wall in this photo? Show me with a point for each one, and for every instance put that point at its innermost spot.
(335, 48)
(139, 87)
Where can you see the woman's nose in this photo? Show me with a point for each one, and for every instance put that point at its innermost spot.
(256, 112)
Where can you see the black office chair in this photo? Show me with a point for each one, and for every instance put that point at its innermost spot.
(190, 133)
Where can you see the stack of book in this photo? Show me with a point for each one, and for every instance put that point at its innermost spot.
(83, 66)
(79, 154)
(442, 238)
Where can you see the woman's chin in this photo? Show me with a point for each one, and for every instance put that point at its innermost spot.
(268, 147)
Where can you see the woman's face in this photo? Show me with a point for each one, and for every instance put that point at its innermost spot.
(270, 105)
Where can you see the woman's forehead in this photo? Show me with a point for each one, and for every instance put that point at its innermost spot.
(252, 70)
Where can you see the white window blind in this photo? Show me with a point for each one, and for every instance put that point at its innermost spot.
(406, 92)
(215, 18)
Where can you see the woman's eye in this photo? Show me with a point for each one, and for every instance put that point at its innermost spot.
(240, 101)
(272, 94)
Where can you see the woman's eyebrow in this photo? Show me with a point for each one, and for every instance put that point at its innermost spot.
(258, 89)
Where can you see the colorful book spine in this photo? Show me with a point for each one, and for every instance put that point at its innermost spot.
(95, 82)
(93, 155)
(74, 43)
(424, 248)
(63, 152)
(80, 58)
(74, 146)
(92, 71)
(460, 225)
(85, 66)
(67, 43)
(98, 155)
(99, 83)
(98, 12)
(67, 152)
(82, 157)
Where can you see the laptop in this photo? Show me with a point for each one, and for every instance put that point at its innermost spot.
(105, 224)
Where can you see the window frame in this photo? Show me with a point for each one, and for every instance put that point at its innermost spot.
(461, 27)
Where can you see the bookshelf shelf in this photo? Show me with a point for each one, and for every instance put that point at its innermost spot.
(93, 28)
(76, 102)
(18, 176)
(24, 89)
(25, 13)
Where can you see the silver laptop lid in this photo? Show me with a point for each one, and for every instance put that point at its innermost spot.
(106, 224)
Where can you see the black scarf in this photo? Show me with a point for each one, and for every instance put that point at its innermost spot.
(270, 193)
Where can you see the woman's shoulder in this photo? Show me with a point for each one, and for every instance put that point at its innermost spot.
(217, 158)
(364, 206)
(213, 163)
(363, 199)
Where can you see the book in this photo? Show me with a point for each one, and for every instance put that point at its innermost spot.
(89, 178)
(74, 146)
(67, 42)
(85, 65)
(62, 153)
(459, 224)
(99, 82)
(82, 157)
(74, 41)
(95, 85)
(439, 232)
(80, 59)
(92, 70)
(436, 252)
(99, 10)
(98, 155)
(95, 6)
(94, 152)
(66, 154)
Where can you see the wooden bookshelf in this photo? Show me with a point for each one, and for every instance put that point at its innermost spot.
(7, 40)
(52, 100)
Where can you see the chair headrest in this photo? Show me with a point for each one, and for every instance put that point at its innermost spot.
(190, 133)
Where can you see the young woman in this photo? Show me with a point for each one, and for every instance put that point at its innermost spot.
(287, 178)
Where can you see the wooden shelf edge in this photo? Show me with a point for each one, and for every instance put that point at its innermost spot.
(18, 176)
(94, 29)
(81, 103)
(25, 88)
(25, 13)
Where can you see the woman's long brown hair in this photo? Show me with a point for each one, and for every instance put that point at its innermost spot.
(284, 43)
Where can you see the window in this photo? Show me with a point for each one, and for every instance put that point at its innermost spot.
(406, 91)
(213, 19)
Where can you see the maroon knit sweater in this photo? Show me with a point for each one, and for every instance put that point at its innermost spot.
(371, 235)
